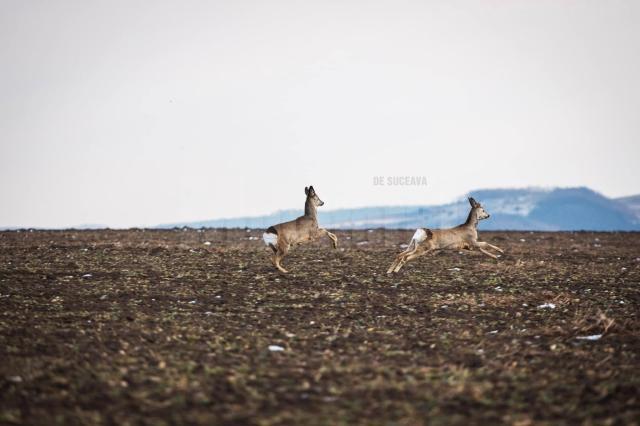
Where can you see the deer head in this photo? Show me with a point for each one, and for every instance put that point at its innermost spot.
(478, 210)
(311, 195)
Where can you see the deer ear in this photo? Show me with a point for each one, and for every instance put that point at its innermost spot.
(306, 191)
(473, 202)
(311, 190)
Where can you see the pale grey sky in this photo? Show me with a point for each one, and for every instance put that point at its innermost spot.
(131, 113)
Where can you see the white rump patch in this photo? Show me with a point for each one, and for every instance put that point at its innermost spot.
(270, 238)
(419, 236)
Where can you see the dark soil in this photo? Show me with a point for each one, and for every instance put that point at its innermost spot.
(158, 327)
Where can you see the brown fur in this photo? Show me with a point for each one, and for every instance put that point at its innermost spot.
(462, 237)
(300, 230)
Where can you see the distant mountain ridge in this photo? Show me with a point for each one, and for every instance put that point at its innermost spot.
(632, 203)
(535, 209)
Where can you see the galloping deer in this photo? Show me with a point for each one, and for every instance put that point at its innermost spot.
(462, 237)
(280, 237)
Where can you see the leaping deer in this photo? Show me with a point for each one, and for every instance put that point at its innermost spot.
(280, 237)
(462, 237)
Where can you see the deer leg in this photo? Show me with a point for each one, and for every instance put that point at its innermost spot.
(399, 257)
(280, 254)
(418, 251)
(487, 253)
(482, 244)
(331, 236)
(496, 248)
(396, 260)
(393, 265)
(409, 257)
(401, 263)
(334, 239)
(276, 262)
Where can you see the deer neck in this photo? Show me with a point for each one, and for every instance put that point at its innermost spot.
(472, 219)
(310, 209)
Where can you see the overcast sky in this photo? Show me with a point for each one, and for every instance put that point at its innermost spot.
(131, 113)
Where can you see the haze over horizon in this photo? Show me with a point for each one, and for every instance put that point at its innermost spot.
(136, 114)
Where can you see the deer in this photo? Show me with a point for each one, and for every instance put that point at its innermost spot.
(462, 237)
(303, 229)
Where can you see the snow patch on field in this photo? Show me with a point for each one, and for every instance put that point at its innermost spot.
(591, 338)
(276, 348)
